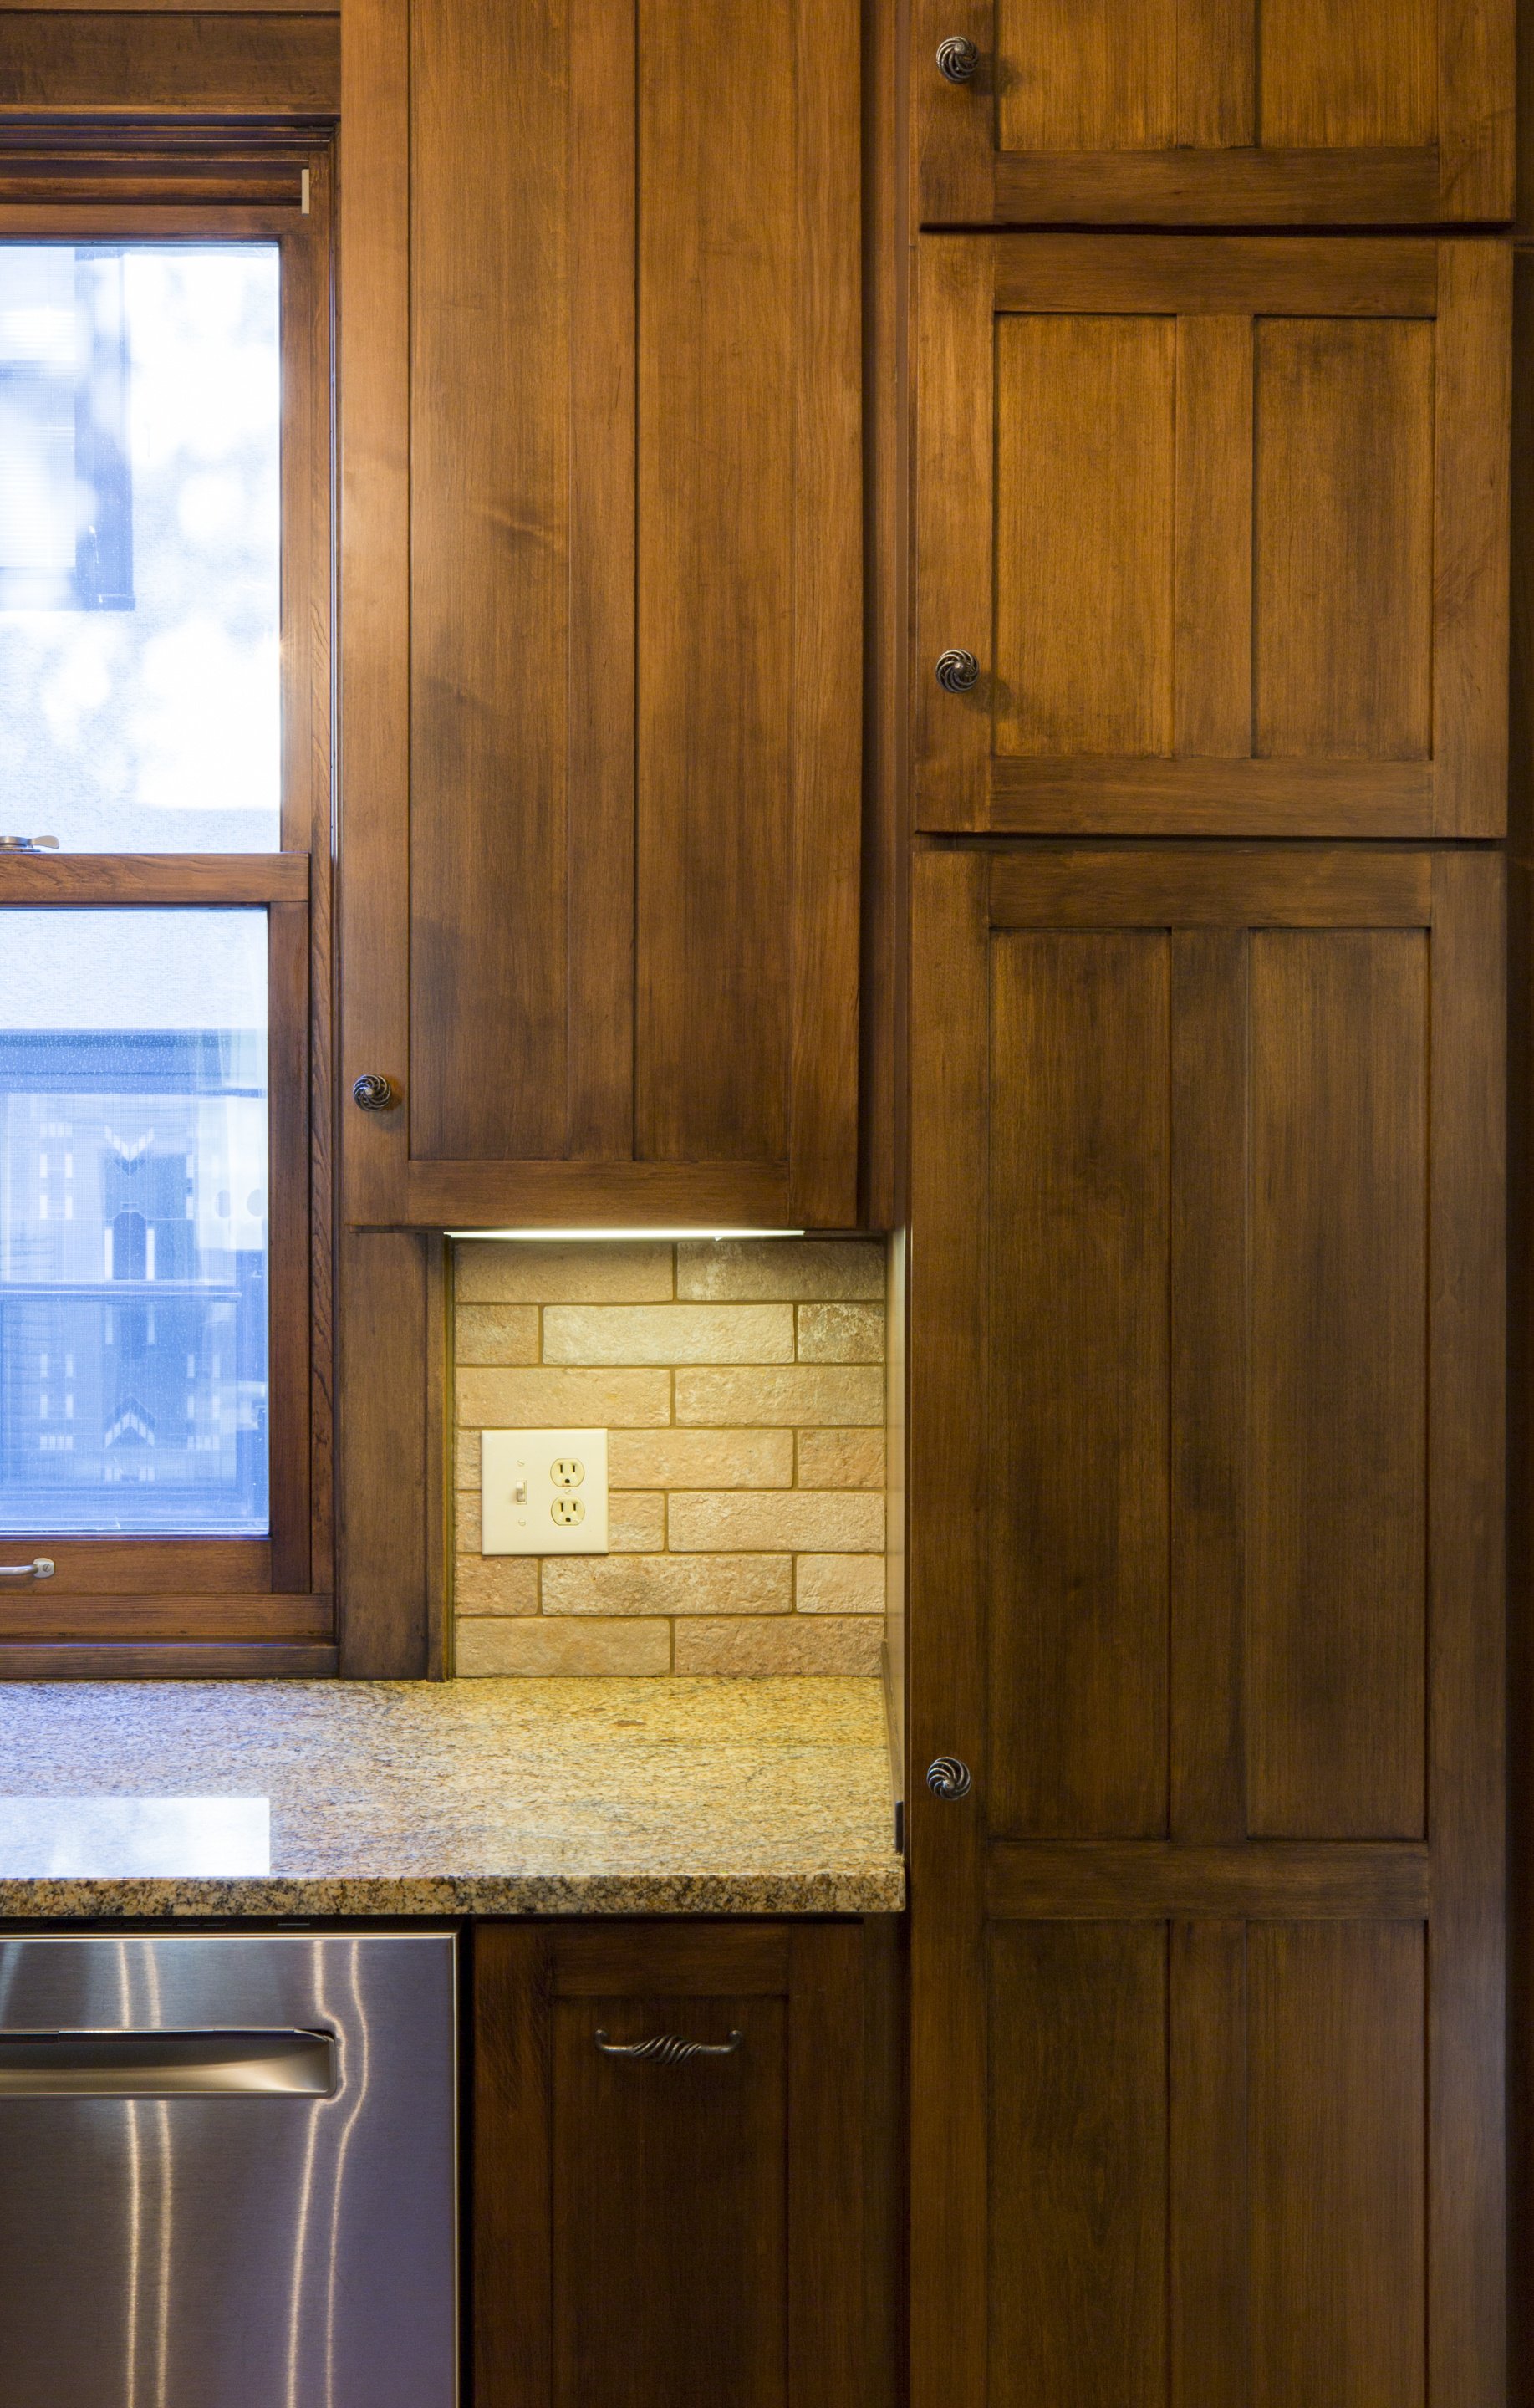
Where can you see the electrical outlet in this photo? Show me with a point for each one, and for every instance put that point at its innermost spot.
(543, 1492)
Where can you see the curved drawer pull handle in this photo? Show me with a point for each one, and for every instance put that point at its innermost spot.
(41, 1568)
(668, 2049)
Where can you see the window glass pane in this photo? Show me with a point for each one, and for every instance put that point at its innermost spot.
(140, 398)
(133, 1223)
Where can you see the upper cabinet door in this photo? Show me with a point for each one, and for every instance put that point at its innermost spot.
(1228, 112)
(602, 612)
(1219, 527)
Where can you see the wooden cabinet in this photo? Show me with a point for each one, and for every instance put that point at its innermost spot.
(1205, 1544)
(668, 2174)
(1222, 523)
(601, 609)
(1228, 112)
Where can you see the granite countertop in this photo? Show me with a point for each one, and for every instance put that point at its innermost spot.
(525, 1796)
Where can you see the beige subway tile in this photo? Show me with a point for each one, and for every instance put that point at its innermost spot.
(495, 1333)
(538, 1648)
(840, 1458)
(544, 1400)
(841, 1333)
(701, 1458)
(597, 1273)
(466, 1521)
(791, 1269)
(668, 1333)
(806, 1394)
(466, 1458)
(668, 1584)
(636, 1525)
(495, 1584)
(838, 1583)
(799, 1644)
(821, 1520)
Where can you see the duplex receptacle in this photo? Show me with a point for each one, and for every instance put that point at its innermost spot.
(543, 1492)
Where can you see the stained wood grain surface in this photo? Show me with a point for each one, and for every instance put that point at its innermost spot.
(218, 60)
(1221, 111)
(1338, 2164)
(1079, 2157)
(1083, 636)
(1342, 538)
(617, 830)
(1206, 2032)
(1079, 1179)
(1223, 530)
(1337, 1594)
(649, 2233)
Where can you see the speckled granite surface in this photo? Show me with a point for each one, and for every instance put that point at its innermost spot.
(525, 1796)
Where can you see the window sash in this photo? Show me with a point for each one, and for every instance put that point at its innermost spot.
(227, 1605)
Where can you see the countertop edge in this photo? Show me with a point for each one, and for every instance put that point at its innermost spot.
(867, 1890)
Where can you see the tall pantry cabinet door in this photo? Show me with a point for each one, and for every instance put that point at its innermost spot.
(1225, 112)
(1221, 527)
(1206, 1430)
(601, 586)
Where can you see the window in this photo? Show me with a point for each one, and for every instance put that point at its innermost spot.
(163, 897)
(133, 1379)
(140, 705)
(66, 520)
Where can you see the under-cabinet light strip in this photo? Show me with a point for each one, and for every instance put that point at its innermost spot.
(610, 1237)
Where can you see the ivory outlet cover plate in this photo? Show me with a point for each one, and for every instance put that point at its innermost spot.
(543, 1492)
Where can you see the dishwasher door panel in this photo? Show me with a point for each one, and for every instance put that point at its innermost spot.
(241, 2247)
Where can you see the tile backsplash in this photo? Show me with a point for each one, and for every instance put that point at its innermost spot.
(742, 1385)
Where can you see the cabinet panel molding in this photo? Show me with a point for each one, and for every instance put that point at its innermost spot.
(1078, 2153)
(1225, 112)
(602, 633)
(654, 2230)
(1206, 1285)
(1224, 525)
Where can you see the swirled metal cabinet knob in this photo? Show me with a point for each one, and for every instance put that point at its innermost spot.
(957, 59)
(668, 2049)
(957, 671)
(373, 1092)
(948, 1777)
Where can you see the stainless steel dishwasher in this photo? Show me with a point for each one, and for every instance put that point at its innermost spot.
(227, 2170)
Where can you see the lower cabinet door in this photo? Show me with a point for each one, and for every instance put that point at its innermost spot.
(669, 2166)
(1206, 1547)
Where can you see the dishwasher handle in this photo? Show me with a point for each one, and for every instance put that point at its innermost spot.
(167, 2065)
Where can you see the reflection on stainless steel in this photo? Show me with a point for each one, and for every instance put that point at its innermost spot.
(358, 2021)
(284, 2239)
(129, 1838)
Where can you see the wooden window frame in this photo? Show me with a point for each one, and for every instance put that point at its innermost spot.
(228, 1604)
